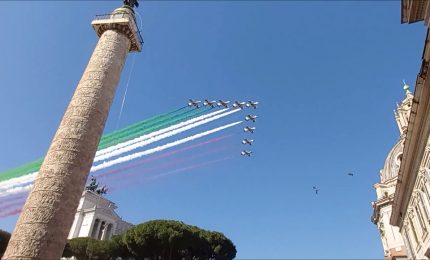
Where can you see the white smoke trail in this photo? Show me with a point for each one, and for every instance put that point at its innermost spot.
(161, 136)
(25, 183)
(155, 133)
(18, 181)
(28, 178)
(16, 190)
(159, 148)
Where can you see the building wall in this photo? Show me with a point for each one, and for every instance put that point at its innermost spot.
(96, 218)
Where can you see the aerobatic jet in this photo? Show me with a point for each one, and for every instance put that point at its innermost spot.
(315, 189)
(208, 103)
(193, 103)
(247, 141)
(249, 129)
(250, 118)
(237, 104)
(223, 103)
(246, 153)
(252, 104)
(351, 174)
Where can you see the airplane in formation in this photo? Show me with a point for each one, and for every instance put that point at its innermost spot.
(252, 104)
(247, 141)
(250, 129)
(223, 103)
(315, 189)
(246, 153)
(237, 104)
(193, 103)
(251, 118)
(208, 103)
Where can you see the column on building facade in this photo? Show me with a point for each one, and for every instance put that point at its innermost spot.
(77, 227)
(413, 231)
(106, 231)
(101, 229)
(95, 228)
(409, 245)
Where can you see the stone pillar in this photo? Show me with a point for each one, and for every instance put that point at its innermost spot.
(47, 216)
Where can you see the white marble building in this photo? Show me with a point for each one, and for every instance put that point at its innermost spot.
(96, 218)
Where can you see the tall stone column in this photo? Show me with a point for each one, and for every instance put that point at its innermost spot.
(48, 213)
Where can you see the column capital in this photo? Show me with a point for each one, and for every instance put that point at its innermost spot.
(122, 20)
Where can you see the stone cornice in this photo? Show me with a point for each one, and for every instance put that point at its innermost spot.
(416, 140)
(413, 11)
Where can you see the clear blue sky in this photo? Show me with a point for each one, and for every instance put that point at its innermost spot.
(327, 74)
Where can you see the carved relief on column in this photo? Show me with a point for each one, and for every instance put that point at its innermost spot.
(48, 213)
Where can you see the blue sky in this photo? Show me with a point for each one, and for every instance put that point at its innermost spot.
(327, 74)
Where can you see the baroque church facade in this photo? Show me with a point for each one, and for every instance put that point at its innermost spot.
(392, 241)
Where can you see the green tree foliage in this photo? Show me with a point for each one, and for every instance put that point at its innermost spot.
(155, 240)
(85, 248)
(169, 239)
(4, 240)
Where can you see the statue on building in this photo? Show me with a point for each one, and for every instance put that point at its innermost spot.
(102, 190)
(131, 3)
(93, 185)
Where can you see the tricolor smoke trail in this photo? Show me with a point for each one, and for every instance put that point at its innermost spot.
(18, 201)
(125, 134)
(21, 187)
(159, 148)
(131, 144)
(153, 134)
(164, 155)
(146, 141)
(19, 205)
(150, 128)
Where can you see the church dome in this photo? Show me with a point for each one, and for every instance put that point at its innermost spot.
(392, 163)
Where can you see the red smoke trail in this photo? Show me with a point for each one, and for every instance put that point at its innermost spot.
(187, 168)
(124, 178)
(11, 213)
(191, 167)
(142, 161)
(13, 197)
(11, 205)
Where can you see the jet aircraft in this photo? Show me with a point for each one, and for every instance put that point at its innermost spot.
(251, 117)
(351, 174)
(237, 104)
(315, 189)
(193, 103)
(247, 141)
(208, 103)
(246, 153)
(223, 103)
(250, 129)
(252, 104)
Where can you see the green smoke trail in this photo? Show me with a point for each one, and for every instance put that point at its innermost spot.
(105, 141)
(150, 128)
(131, 128)
(21, 170)
(134, 130)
